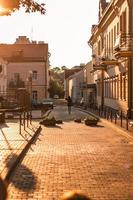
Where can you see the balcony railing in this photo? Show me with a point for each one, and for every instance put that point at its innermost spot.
(109, 61)
(106, 58)
(99, 67)
(124, 45)
(86, 85)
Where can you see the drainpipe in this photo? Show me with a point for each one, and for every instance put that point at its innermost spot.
(130, 66)
(102, 89)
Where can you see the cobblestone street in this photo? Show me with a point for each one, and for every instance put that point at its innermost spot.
(72, 156)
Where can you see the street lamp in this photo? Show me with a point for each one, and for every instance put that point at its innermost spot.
(30, 84)
(30, 91)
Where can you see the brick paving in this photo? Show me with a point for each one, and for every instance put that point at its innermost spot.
(12, 143)
(72, 156)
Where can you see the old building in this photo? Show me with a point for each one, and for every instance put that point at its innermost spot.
(75, 82)
(112, 55)
(3, 77)
(28, 66)
(67, 74)
(89, 86)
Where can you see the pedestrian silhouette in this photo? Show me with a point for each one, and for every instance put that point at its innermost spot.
(73, 195)
(3, 190)
(69, 104)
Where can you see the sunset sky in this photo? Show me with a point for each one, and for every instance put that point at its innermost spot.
(66, 27)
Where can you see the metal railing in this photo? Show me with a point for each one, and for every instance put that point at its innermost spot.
(119, 118)
(126, 41)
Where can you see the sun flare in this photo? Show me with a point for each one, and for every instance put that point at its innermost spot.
(2, 9)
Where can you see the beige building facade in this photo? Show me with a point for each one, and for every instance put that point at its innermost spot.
(89, 86)
(75, 82)
(112, 55)
(28, 64)
(3, 77)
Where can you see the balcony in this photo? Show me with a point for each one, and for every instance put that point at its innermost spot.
(124, 45)
(86, 85)
(99, 67)
(109, 61)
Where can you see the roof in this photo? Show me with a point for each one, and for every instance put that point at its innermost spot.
(26, 52)
(69, 72)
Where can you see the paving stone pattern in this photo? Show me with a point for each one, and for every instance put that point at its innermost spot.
(95, 160)
(12, 143)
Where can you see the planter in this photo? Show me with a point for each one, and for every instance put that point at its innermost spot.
(59, 122)
(91, 121)
(48, 122)
(77, 120)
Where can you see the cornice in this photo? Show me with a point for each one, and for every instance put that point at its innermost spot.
(109, 14)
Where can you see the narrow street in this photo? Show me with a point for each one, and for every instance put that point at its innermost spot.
(72, 156)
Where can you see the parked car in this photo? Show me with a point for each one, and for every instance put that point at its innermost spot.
(36, 104)
(48, 103)
(56, 96)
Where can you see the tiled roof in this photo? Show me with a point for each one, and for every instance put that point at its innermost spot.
(17, 52)
(69, 72)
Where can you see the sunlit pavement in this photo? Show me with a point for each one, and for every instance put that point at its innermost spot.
(12, 142)
(72, 156)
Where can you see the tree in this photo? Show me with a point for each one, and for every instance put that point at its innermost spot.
(63, 68)
(10, 6)
(56, 88)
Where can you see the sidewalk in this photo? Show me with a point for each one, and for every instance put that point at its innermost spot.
(117, 127)
(13, 144)
(72, 156)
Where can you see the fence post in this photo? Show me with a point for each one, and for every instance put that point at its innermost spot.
(30, 117)
(24, 120)
(20, 123)
(27, 119)
(121, 118)
(99, 111)
(127, 121)
(115, 118)
(111, 115)
(107, 114)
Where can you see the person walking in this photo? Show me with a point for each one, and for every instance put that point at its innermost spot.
(69, 104)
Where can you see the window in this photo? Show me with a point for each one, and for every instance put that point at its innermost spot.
(34, 95)
(114, 34)
(123, 22)
(16, 76)
(118, 28)
(112, 41)
(34, 75)
(99, 48)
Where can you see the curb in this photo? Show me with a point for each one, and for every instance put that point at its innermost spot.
(21, 155)
(113, 126)
(45, 115)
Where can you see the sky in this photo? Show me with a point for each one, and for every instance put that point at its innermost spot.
(66, 27)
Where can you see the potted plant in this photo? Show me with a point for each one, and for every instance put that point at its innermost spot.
(91, 120)
(48, 121)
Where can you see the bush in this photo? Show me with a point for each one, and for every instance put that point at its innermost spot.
(48, 121)
(78, 120)
(90, 120)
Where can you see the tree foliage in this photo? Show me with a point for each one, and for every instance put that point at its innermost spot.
(56, 88)
(10, 6)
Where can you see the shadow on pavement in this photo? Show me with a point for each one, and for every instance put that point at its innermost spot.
(26, 180)
(56, 126)
(6, 140)
(3, 190)
(3, 125)
(96, 126)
